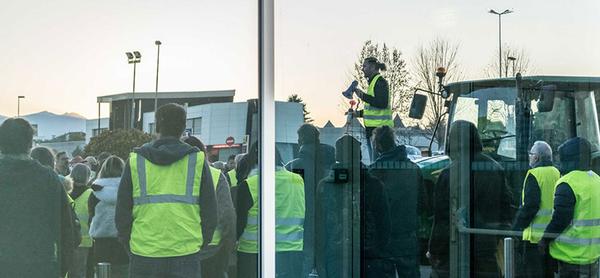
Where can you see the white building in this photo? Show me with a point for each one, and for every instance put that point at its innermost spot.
(214, 123)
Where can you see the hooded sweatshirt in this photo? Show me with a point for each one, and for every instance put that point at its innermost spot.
(164, 152)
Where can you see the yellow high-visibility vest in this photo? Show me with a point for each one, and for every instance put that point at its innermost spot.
(580, 242)
(376, 117)
(289, 190)
(166, 210)
(546, 178)
(81, 209)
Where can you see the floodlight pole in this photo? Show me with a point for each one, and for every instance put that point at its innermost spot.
(133, 98)
(157, 43)
(500, 37)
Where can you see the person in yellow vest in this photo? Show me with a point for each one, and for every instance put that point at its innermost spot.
(289, 190)
(536, 209)
(377, 108)
(215, 259)
(166, 209)
(573, 234)
(80, 174)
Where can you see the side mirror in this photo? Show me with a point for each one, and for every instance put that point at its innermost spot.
(546, 102)
(417, 106)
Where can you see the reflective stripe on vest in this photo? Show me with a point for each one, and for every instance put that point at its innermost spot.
(216, 174)
(580, 242)
(289, 214)
(166, 212)
(546, 178)
(373, 116)
(81, 209)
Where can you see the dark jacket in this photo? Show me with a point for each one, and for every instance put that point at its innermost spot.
(337, 203)
(313, 164)
(575, 154)
(164, 152)
(490, 196)
(402, 180)
(36, 215)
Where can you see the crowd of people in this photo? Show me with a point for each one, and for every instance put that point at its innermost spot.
(167, 211)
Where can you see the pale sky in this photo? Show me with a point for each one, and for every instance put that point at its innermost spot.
(62, 54)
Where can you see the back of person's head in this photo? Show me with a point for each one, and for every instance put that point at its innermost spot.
(308, 134)
(16, 136)
(195, 142)
(80, 174)
(463, 136)
(170, 120)
(376, 63)
(347, 150)
(44, 156)
(112, 168)
(231, 158)
(575, 154)
(384, 138)
(92, 162)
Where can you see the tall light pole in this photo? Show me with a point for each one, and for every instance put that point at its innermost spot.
(512, 59)
(500, 37)
(157, 43)
(19, 106)
(133, 58)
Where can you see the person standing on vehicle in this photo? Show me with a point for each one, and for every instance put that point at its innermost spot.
(536, 209)
(402, 181)
(573, 233)
(166, 206)
(377, 108)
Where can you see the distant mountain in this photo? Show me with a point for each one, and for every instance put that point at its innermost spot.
(50, 125)
(73, 114)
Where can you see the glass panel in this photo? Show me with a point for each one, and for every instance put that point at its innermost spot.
(112, 112)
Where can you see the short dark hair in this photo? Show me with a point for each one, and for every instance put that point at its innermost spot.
(231, 157)
(170, 120)
(43, 155)
(16, 136)
(308, 133)
(384, 138)
(374, 61)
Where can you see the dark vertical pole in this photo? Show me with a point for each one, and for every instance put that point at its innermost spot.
(133, 98)
(500, 44)
(156, 86)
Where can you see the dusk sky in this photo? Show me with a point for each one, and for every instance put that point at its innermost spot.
(63, 54)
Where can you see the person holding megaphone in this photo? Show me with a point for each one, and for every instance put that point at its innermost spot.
(377, 110)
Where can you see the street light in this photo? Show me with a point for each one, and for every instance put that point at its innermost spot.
(512, 59)
(133, 58)
(157, 43)
(500, 36)
(19, 106)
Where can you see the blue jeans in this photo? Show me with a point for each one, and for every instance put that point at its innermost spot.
(172, 267)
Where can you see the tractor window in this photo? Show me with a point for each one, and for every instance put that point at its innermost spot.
(493, 112)
(574, 114)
